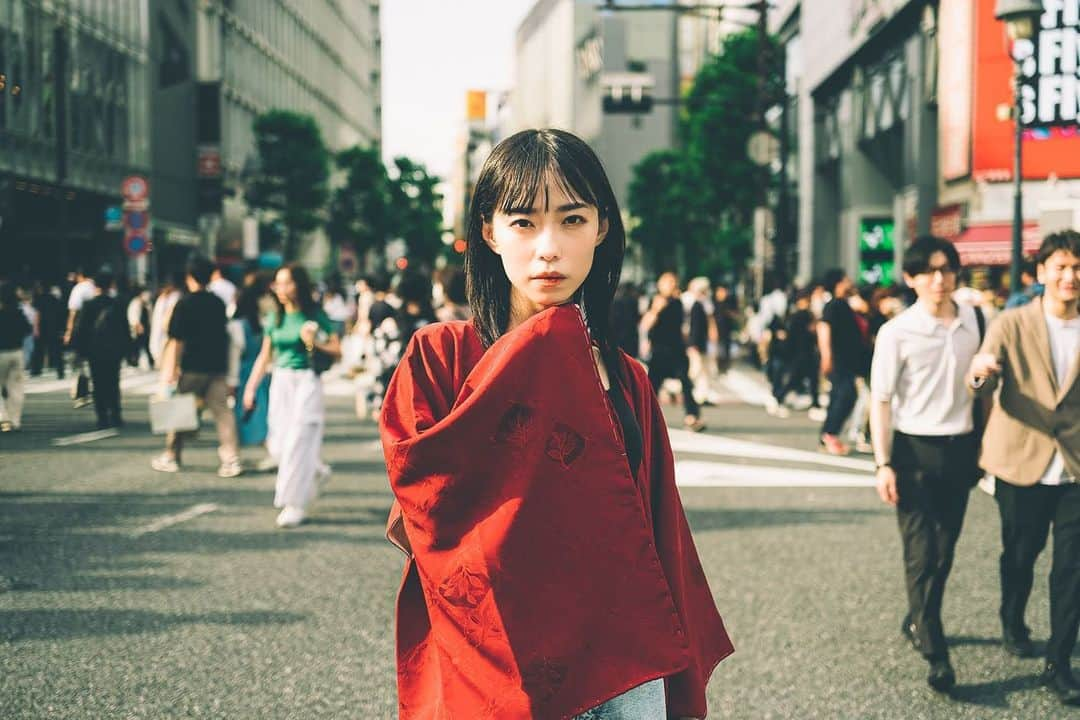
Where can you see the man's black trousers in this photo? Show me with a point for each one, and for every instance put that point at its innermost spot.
(934, 476)
(105, 374)
(1026, 516)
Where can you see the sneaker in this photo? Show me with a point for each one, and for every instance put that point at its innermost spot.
(6, 426)
(816, 414)
(165, 463)
(776, 409)
(863, 447)
(693, 424)
(831, 444)
(230, 469)
(267, 464)
(290, 517)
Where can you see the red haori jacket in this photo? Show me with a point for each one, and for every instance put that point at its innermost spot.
(544, 577)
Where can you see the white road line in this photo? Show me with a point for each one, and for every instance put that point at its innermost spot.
(85, 437)
(703, 444)
(694, 473)
(161, 523)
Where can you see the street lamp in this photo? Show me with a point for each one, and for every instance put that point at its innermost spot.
(1020, 17)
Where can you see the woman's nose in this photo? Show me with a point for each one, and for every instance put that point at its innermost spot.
(547, 247)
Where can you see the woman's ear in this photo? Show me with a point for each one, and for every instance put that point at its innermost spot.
(603, 231)
(487, 231)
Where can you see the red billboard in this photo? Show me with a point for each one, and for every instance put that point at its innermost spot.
(1050, 100)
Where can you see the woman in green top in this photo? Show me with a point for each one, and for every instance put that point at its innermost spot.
(297, 414)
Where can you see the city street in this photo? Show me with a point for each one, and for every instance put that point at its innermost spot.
(126, 593)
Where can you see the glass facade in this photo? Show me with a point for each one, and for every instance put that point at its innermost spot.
(324, 62)
(73, 108)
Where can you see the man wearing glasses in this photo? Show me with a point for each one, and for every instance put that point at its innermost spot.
(924, 439)
(1032, 447)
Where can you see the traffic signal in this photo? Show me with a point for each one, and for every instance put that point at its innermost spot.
(627, 93)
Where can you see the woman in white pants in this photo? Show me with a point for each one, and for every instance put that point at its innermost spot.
(292, 339)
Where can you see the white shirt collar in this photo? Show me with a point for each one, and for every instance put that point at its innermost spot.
(927, 323)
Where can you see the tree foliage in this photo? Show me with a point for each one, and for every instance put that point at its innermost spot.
(360, 209)
(293, 170)
(697, 202)
(662, 199)
(416, 211)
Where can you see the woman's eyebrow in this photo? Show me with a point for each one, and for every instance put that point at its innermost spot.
(520, 211)
(571, 206)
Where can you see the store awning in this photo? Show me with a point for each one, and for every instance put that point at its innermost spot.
(992, 244)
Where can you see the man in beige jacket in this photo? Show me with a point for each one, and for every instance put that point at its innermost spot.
(1032, 447)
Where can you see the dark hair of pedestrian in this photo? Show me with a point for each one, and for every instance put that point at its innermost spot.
(378, 282)
(918, 254)
(455, 287)
(304, 295)
(516, 171)
(832, 278)
(247, 307)
(1067, 240)
(103, 280)
(200, 269)
(413, 287)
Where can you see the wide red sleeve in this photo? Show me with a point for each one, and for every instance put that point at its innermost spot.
(709, 641)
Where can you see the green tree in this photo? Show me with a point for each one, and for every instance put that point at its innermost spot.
(723, 109)
(360, 209)
(416, 211)
(663, 200)
(290, 183)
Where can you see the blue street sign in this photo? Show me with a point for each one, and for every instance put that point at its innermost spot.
(135, 243)
(114, 217)
(136, 220)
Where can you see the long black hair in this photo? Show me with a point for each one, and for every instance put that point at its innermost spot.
(305, 298)
(511, 177)
(247, 307)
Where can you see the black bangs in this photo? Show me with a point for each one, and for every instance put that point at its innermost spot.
(519, 169)
(536, 162)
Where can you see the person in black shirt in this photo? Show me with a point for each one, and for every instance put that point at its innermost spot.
(50, 344)
(625, 318)
(196, 360)
(663, 323)
(102, 336)
(13, 330)
(843, 357)
(800, 344)
(725, 311)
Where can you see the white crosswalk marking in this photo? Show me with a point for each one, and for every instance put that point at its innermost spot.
(694, 473)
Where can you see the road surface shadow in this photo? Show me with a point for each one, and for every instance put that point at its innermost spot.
(996, 692)
(735, 519)
(19, 625)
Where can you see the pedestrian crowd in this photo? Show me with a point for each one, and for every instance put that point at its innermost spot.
(945, 386)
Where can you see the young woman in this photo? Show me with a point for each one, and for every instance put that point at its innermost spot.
(291, 339)
(551, 572)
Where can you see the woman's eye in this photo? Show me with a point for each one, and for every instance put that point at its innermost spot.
(521, 223)
(575, 220)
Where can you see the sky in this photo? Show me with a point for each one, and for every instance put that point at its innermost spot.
(433, 51)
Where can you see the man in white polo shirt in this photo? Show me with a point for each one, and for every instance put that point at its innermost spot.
(923, 434)
(1032, 447)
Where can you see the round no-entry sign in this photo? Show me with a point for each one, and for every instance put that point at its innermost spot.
(134, 188)
(136, 243)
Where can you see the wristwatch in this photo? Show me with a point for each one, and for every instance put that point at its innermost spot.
(878, 466)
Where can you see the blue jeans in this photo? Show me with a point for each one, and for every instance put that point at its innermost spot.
(841, 402)
(645, 702)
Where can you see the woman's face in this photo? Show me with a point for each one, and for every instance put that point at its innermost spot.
(284, 287)
(546, 249)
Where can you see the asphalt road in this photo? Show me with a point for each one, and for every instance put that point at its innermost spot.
(125, 593)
